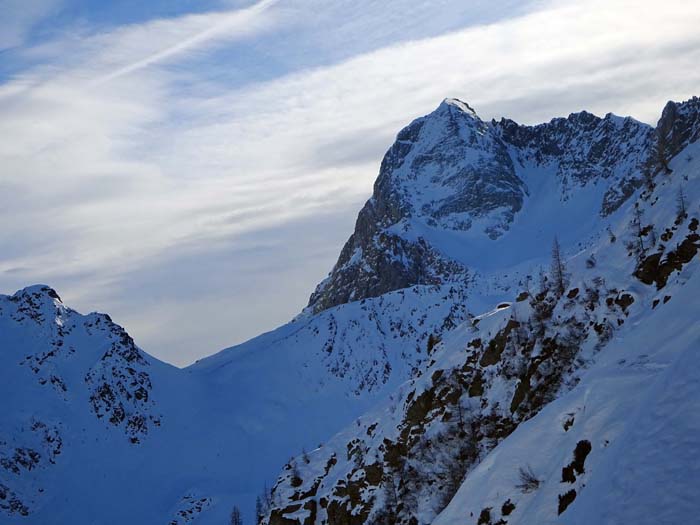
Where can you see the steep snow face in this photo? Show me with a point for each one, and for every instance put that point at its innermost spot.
(452, 186)
(614, 152)
(577, 388)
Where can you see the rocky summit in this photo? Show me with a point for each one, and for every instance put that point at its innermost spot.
(452, 172)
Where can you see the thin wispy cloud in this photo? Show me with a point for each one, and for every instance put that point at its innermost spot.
(18, 18)
(202, 147)
(194, 32)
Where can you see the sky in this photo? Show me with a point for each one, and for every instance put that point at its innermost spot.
(193, 168)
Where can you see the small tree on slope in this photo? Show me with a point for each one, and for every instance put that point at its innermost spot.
(637, 247)
(236, 516)
(681, 204)
(258, 510)
(558, 269)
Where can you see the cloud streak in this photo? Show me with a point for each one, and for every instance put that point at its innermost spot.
(18, 18)
(129, 159)
(194, 32)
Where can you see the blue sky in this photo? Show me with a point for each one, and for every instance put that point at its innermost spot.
(193, 168)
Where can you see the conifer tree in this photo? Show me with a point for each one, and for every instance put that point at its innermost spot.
(681, 204)
(637, 225)
(558, 269)
(258, 509)
(236, 516)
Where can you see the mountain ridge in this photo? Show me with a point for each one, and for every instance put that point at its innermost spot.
(432, 259)
(486, 190)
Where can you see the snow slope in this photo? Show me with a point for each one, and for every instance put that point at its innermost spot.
(638, 406)
(116, 423)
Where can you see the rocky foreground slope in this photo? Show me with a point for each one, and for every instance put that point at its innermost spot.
(441, 323)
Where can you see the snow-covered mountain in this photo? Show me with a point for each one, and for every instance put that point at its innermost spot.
(449, 248)
(452, 184)
(92, 422)
(549, 406)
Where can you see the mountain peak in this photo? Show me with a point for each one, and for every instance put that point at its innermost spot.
(446, 171)
(38, 302)
(458, 104)
(40, 291)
